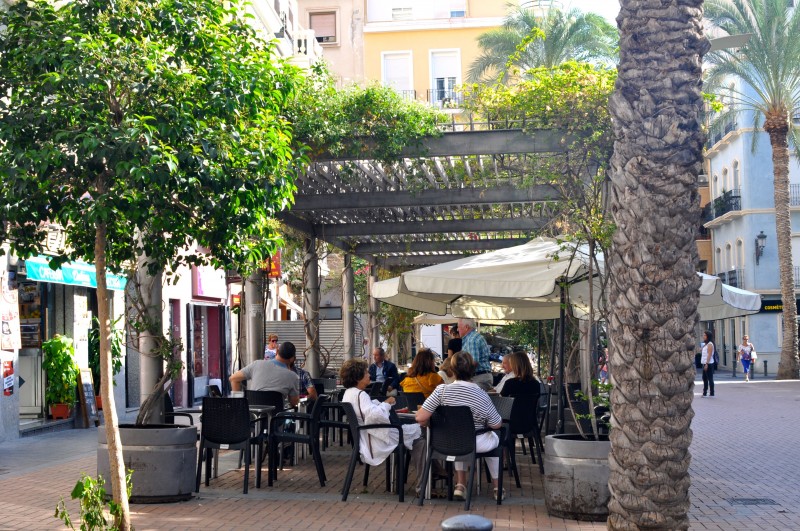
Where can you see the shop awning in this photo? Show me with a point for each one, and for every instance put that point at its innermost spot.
(71, 273)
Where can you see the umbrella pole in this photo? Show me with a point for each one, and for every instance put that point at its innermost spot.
(560, 379)
(539, 351)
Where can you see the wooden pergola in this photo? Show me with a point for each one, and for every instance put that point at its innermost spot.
(461, 193)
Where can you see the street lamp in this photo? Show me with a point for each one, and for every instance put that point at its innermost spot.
(761, 242)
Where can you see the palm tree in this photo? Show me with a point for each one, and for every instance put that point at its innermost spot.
(573, 35)
(768, 67)
(656, 109)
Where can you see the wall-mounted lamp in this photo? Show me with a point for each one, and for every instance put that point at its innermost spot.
(761, 242)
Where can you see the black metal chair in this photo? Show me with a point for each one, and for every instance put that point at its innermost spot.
(377, 390)
(170, 413)
(309, 436)
(415, 400)
(227, 426)
(452, 436)
(263, 398)
(401, 468)
(328, 384)
(332, 419)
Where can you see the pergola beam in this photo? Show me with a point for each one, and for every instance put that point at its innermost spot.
(504, 194)
(434, 246)
(416, 260)
(341, 230)
(492, 142)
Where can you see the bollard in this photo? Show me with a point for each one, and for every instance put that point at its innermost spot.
(752, 371)
(765, 368)
(733, 367)
(467, 522)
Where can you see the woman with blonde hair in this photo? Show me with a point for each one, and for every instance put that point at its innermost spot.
(422, 376)
(524, 383)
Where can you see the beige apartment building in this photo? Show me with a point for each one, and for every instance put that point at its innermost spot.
(422, 48)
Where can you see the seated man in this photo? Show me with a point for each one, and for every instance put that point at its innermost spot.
(306, 384)
(271, 375)
(384, 371)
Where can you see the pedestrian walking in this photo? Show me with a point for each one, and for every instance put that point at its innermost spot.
(746, 354)
(707, 361)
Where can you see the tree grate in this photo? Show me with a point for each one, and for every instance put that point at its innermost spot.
(752, 501)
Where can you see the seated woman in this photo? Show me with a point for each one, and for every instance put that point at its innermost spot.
(523, 383)
(446, 373)
(462, 392)
(422, 376)
(509, 374)
(374, 448)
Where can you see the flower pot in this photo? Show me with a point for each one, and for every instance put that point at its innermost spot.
(60, 411)
(576, 477)
(163, 458)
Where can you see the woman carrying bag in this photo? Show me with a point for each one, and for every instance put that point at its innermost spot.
(746, 356)
(707, 362)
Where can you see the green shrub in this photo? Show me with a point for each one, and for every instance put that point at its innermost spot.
(61, 369)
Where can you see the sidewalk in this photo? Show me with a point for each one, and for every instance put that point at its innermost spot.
(742, 452)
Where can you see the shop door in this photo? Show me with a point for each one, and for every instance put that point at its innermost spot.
(31, 314)
(208, 348)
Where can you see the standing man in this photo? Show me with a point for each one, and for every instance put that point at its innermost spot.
(384, 371)
(272, 347)
(271, 375)
(475, 344)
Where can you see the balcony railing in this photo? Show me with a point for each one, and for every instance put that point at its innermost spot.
(306, 44)
(408, 95)
(734, 277)
(796, 277)
(729, 201)
(446, 99)
(794, 194)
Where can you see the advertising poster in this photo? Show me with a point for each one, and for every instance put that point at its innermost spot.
(9, 315)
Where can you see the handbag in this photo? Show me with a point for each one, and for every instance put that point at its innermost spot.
(753, 355)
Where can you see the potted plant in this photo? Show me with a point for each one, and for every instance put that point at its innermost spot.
(62, 375)
(94, 355)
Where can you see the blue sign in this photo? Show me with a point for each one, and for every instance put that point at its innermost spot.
(70, 273)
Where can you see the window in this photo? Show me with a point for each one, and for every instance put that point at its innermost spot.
(401, 13)
(397, 72)
(324, 26)
(458, 14)
(445, 75)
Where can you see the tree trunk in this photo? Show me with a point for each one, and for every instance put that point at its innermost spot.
(777, 127)
(152, 377)
(116, 463)
(653, 293)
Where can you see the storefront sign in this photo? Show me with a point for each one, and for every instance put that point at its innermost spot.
(208, 283)
(71, 274)
(775, 305)
(8, 377)
(10, 338)
(274, 265)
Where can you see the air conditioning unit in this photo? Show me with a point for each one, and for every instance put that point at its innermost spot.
(702, 179)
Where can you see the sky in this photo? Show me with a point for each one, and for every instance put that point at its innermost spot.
(607, 8)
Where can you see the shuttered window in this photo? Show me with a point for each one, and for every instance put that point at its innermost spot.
(324, 26)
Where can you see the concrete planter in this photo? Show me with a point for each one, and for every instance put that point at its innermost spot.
(163, 458)
(576, 477)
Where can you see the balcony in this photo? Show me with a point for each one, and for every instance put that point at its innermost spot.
(445, 99)
(729, 201)
(796, 277)
(734, 277)
(794, 194)
(307, 50)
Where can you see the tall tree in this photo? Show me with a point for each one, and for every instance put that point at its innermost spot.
(768, 70)
(533, 39)
(142, 127)
(656, 109)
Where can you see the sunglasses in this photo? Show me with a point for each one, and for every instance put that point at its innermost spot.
(273, 340)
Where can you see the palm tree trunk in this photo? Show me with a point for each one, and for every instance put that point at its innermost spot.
(653, 293)
(777, 127)
(116, 463)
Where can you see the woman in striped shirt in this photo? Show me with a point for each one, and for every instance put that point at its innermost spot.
(462, 392)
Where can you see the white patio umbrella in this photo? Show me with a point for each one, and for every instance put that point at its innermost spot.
(522, 283)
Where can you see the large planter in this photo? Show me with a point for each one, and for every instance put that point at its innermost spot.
(163, 458)
(60, 411)
(576, 477)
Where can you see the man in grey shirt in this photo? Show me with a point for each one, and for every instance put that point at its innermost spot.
(271, 375)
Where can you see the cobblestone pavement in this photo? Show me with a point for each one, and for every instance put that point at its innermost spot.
(742, 452)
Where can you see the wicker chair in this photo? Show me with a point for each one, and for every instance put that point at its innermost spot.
(452, 435)
(309, 436)
(355, 434)
(227, 426)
